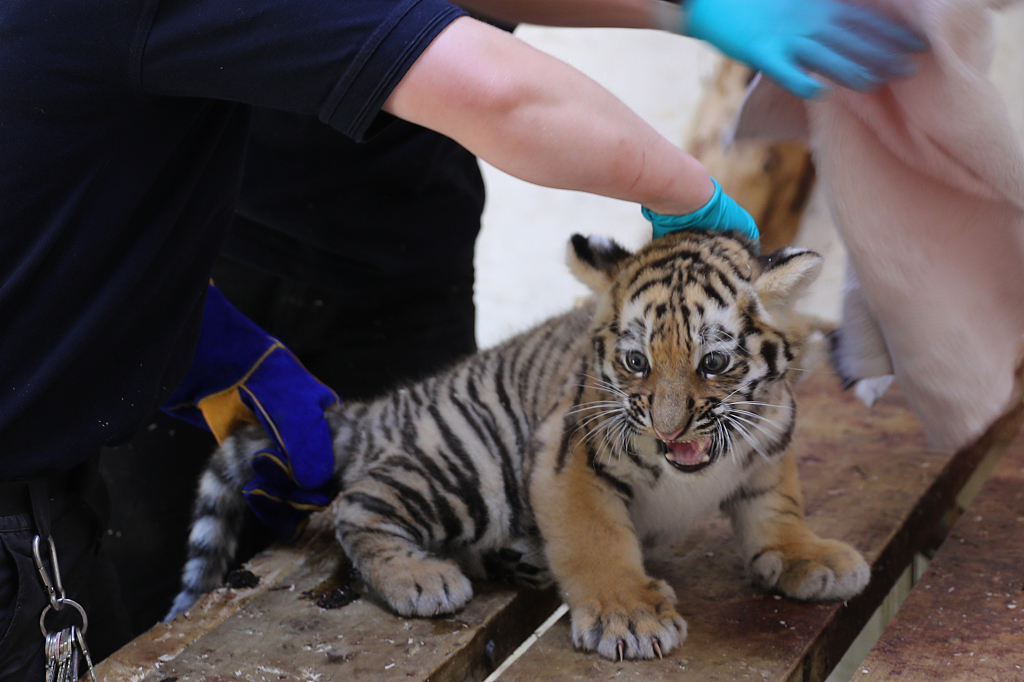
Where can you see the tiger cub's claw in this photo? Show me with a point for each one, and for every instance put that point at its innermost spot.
(640, 623)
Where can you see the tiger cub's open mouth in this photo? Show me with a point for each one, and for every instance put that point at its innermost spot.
(688, 456)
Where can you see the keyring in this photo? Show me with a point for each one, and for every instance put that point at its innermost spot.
(63, 601)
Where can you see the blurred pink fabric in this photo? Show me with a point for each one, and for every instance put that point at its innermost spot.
(925, 180)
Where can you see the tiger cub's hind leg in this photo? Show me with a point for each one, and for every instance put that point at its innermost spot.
(780, 551)
(386, 543)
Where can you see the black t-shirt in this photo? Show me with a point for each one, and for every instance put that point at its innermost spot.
(400, 209)
(122, 135)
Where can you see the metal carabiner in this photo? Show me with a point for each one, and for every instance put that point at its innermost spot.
(57, 596)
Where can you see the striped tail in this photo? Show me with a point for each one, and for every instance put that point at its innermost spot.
(217, 517)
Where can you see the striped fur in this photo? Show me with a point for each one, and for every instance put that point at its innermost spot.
(552, 456)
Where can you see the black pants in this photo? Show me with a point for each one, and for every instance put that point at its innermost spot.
(360, 344)
(76, 506)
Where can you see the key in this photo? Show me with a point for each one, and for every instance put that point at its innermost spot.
(59, 655)
(75, 657)
(59, 652)
(67, 653)
(85, 652)
(52, 639)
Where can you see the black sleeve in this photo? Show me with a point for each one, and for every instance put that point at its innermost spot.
(337, 59)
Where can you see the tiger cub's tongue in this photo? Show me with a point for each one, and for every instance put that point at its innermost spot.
(688, 453)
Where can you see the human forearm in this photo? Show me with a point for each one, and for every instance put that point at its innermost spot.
(853, 46)
(584, 13)
(544, 122)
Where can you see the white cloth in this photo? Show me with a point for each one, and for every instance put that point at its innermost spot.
(925, 179)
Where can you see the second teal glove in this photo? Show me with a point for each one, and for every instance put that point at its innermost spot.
(855, 47)
(721, 214)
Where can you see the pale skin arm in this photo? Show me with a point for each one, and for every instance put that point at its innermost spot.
(655, 14)
(542, 121)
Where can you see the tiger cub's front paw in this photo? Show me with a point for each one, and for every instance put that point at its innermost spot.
(424, 587)
(629, 622)
(815, 569)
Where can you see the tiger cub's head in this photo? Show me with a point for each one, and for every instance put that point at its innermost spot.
(694, 339)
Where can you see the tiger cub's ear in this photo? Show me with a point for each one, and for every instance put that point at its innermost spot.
(785, 276)
(595, 260)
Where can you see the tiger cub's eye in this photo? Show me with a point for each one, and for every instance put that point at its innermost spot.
(714, 363)
(635, 361)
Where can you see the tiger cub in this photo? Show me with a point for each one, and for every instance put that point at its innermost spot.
(552, 456)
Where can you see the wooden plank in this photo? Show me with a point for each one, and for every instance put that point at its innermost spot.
(772, 180)
(163, 642)
(868, 478)
(964, 621)
(277, 630)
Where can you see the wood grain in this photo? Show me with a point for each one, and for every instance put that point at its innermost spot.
(276, 631)
(964, 621)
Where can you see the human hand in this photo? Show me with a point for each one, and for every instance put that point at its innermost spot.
(853, 46)
(721, 213)
(240, 374)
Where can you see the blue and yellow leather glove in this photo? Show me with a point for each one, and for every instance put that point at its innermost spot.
(239, 375)
(721, 213)
(853, 46)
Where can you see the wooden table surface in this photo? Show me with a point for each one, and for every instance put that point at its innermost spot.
(964, 621)
(868, 478)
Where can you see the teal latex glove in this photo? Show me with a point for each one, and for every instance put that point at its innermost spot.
(721, 213)
(855, 47)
